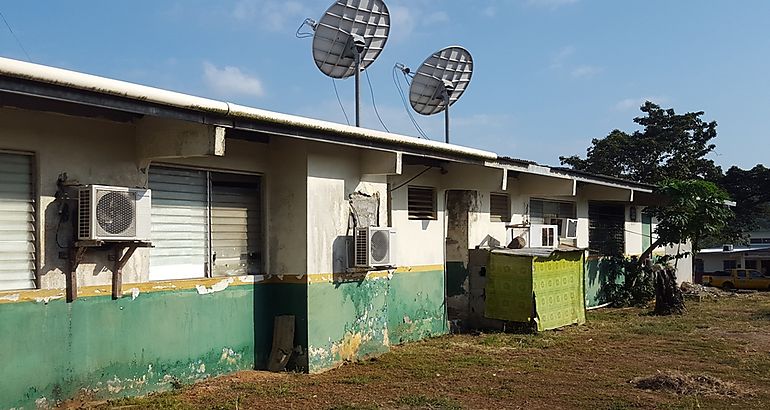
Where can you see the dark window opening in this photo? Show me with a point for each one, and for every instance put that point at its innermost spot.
(606, 229)
(499, 207)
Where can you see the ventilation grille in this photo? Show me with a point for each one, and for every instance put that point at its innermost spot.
(115, 213)
(422, 202)
(361, 247)
(84, 213)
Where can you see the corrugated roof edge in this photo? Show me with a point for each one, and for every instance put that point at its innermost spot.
(73, 79)
(574, 172)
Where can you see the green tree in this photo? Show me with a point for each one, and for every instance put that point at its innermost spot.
(750, 189)
(669, 146)
(691, 211)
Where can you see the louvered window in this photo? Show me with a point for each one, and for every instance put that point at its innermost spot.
(204, 223)
(179, 223)
(17, 222)
(499, 207)
(422, 202)
(236, 224)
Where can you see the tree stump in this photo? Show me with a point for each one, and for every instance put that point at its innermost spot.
(668, 297)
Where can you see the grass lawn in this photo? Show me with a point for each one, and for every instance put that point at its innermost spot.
(722, 340)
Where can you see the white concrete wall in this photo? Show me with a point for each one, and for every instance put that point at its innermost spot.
(95, 151)
(333, 173)
(419, 242)
(90, 152)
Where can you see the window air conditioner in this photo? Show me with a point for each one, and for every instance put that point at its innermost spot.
(570, 228)
(373, 247)
(107, 213)
(543, 236)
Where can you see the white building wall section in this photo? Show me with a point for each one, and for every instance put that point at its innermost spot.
(90, 152)
(419, 242)
(633, 234)
(97, 151)
(334, 173)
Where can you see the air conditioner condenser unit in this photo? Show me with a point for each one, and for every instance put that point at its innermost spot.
(373, 247)
(543, 236)
(109, 213)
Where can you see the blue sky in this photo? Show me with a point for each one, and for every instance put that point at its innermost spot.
(549, 74)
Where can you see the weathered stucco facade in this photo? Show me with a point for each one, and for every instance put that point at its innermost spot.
(189, 326)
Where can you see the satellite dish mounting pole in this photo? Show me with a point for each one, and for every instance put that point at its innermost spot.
(358, 90)
(358, 48)
(446, 122)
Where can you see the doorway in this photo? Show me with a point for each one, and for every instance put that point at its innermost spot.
(458, 206)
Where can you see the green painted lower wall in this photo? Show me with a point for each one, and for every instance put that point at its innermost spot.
(596, 277)
(351, 320)
(456, 275)
(131, 346)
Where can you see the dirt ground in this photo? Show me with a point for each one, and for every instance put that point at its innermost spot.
(717, 355)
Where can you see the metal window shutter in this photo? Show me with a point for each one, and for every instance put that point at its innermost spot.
(179, 223)
(17, 222)
(236, 224)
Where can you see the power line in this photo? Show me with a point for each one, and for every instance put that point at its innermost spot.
(334, 83)
(371, 90)
(14, 36)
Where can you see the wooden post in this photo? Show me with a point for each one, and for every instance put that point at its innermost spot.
(117, 274)
(283, 343)
(76, 254)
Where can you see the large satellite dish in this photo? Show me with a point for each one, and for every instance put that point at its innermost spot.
(440, 81)
(348, 38)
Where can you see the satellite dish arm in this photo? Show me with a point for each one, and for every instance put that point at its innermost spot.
(312, 24)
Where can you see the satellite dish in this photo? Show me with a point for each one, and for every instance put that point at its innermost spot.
(348, 38)
(440, 81)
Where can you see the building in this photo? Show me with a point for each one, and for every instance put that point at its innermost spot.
(251, 218)
(755, 255)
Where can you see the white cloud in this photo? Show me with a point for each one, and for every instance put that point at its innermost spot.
(585, 71)
(550, 4)
(634, 103)
(408, 17)
(560, 57)
(437, 17)
(403, 19)
(229, 80)
(271, 15)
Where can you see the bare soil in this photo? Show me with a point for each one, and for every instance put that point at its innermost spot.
(717, 355)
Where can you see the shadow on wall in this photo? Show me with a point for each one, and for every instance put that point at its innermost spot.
(60, 222)
(597, 276)
(284, 297)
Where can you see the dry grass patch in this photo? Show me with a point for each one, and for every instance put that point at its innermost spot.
(687, 384)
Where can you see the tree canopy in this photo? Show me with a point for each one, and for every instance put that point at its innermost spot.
(669, 146)
(694, 210)
(750, 189)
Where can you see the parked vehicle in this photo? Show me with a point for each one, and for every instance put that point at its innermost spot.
(738, 279)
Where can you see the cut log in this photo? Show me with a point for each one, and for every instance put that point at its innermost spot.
(283, 343)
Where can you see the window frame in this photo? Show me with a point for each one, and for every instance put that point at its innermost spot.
(38, 213)
(209, 249)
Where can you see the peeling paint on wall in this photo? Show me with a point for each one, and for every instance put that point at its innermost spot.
(217, 287)
(371, 315)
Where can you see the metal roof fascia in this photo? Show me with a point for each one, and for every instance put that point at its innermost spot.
(66, 79)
